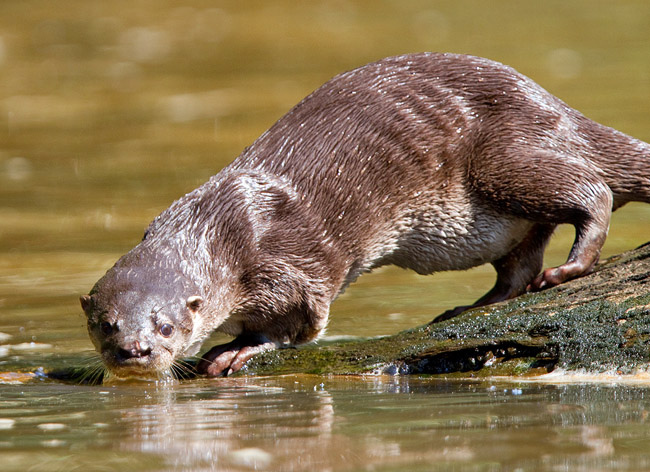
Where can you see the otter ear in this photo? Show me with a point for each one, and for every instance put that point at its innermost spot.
(194, 302)
(86, 303)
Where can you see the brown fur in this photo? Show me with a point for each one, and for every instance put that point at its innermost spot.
(428, 161)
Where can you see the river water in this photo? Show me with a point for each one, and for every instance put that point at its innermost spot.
(111, 110)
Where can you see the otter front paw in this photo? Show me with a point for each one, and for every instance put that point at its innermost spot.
(225, 359)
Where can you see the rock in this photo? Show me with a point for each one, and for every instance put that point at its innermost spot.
(598, 323)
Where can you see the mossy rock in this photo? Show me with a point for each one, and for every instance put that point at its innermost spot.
(597, 323)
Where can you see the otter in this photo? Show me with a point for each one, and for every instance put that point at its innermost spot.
(426, 161)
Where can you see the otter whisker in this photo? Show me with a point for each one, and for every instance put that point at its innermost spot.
(91, 371)
(183, 369)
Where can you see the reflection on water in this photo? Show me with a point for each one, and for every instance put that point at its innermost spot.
(111, 110)
(317, 423)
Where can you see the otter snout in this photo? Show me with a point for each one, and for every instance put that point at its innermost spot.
(133, 350)
(134, 358)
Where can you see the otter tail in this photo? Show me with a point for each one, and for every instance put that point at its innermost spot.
(625, 163)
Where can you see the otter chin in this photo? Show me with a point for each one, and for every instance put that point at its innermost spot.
(430, 162)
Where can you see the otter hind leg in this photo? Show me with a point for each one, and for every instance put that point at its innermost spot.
(515, 270)
(591, 232)
(553, 188)
(549, 189)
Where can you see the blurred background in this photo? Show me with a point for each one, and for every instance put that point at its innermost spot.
(111, 110)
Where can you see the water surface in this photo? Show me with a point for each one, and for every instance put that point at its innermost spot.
(318, 423)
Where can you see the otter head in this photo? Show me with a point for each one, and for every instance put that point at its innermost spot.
(141, 320)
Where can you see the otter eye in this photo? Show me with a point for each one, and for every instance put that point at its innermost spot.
(166, 330)
(106, 328)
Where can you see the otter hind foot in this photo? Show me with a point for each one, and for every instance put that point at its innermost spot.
(225, 359)
(557, 275)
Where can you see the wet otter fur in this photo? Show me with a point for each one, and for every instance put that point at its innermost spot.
(427, 161)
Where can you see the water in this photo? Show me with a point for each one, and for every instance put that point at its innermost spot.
(111, 110)
(318, 423)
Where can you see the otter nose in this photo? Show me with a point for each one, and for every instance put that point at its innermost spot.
(133, 350)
